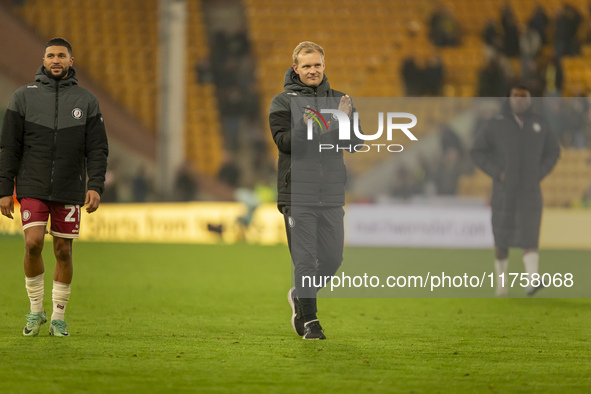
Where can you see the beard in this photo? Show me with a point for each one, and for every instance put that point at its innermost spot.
(57, 76)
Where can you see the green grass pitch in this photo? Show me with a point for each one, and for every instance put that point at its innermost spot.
(192, 318)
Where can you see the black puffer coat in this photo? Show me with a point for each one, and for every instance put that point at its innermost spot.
(525, 156)
(53, 136)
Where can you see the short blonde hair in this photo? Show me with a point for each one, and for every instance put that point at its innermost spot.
(306, 47)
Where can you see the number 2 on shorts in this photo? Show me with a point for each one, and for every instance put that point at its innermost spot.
(72, 208)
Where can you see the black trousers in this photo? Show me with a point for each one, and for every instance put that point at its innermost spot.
(316, 239)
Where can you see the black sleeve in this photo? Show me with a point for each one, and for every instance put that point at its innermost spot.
(11, 145)
(97, 148)
(483, 150)
(280, 124)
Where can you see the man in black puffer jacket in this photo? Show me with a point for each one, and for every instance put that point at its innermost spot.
(53, 137)
(311, 182)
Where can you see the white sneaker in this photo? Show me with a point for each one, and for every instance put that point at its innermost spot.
(34, 321)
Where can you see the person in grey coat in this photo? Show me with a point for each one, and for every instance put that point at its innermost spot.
(517, 149)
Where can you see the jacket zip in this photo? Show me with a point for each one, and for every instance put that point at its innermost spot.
(320, 135)
(55, 125)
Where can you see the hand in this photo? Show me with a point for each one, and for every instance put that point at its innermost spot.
(7, 206)
(502, 177)
(307, 115)
(92, 201)
(345, 105)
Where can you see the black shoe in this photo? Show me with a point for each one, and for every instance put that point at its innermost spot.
(313, 331)
(297, 318)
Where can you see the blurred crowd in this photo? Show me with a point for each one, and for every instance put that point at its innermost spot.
(529, 53)
(538, 46)
(231, 68)
(438, 173)
(423, 76)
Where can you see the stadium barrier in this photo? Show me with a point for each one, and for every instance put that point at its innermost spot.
(174, 222)
(418, 225)
(455, 227)
(365, 225)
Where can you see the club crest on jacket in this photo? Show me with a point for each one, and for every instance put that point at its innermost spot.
(77, 113)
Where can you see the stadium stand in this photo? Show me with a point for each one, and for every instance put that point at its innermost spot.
(116, 42)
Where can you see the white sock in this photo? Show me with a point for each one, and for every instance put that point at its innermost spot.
(61, 295)
(501, 267)
(34, 287)
(530, 261)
